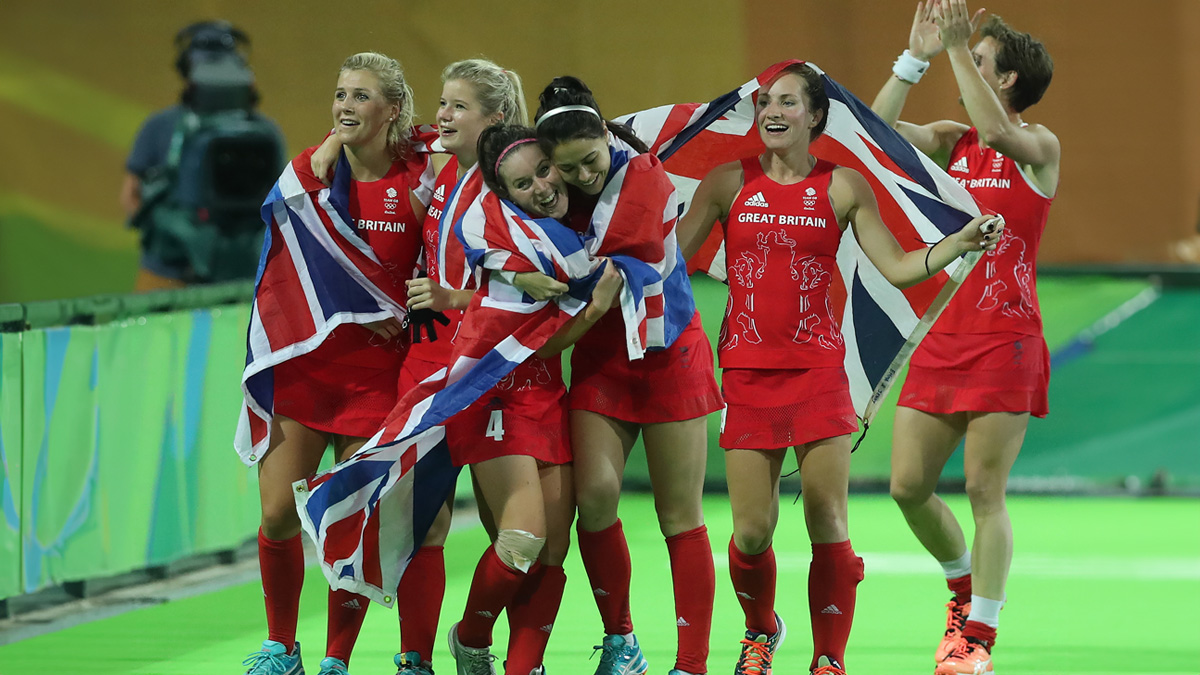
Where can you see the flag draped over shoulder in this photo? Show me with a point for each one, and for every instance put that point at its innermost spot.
(918, 201)
(315, 274)
(634, 222)
(369, 514)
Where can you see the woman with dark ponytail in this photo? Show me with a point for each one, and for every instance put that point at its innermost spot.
(621, 196)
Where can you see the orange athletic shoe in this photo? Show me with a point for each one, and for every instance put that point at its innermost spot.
(827, 666)
(956, 618)
(969, 657)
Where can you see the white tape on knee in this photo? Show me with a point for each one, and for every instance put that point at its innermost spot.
(518, 549)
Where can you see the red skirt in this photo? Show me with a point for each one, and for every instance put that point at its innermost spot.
(671, 385)
(345, 386)
(768, 409)
(988, 372)
(524, 414)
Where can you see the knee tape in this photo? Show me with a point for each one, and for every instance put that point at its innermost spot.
(518, 549)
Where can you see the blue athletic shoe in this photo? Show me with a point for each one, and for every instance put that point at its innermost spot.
(273, 659)
(410, 663)
(332, 666)
(619, 656)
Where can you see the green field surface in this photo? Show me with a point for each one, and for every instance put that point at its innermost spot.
(1098, 585)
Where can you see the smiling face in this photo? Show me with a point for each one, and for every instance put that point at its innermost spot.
(532, 183)
(460, 118)
(584, 163)
(361, 113)
(782, 113)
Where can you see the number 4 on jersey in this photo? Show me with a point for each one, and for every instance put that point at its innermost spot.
(495, 427)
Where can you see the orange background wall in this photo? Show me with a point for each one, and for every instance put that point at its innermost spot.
(77, 77)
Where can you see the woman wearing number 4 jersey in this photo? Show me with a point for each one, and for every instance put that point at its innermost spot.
(782, 353)
(515, 436)
(984, 367)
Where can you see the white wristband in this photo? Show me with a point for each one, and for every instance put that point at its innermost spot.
(909, 68)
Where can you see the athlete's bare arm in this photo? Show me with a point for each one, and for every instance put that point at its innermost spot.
(714, 196)
(1033, 146)
(854, 203)
(934, 139)
(604, 296)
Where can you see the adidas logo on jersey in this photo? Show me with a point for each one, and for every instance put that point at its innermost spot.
(682, 622)
(600, 592)
(488, 615)
(440, 193)
(352, 603)
(960, 165)
(758, 200)
(547, 628)
(744, 595)
(832, 609)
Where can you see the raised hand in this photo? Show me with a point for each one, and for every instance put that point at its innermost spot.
(923, 40)
(955, 23)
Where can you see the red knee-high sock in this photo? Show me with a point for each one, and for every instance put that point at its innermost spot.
(695, 587)
(753, 579)
(606, 559)
(962, 588)
(282, 565)
(492, 588)
(419, 600)
(346, 613)
(531, 616)
(832, 580)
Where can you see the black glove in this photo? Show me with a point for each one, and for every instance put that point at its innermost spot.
(418, 319)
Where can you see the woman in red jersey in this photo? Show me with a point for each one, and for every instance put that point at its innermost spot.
(984, 369)
(476, 93)
(782, 353)
(664, 396)
(515, 439)
(340, 392)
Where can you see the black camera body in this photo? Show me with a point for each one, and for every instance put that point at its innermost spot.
(211, 58)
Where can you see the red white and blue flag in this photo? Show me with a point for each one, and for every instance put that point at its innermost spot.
(919, 202)
(369, 514)
(315, 274)
(634, 223)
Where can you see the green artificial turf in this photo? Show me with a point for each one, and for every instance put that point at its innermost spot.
(1098, 586)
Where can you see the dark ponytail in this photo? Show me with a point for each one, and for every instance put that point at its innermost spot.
(492, 142)
(568, 126)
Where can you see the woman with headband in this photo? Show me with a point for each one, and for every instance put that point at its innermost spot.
(515, 436)
(664, 396)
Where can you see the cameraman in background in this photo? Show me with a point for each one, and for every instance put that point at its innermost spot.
(199, 170)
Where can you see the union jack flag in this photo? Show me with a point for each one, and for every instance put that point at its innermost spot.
(656, 298)
(398, 481)
(315, 273)
(919, 202)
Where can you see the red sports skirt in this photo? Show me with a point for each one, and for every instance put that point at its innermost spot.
(524, 414)
(988, 372)
(345, 386)
(767, 409)
(671, 385)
